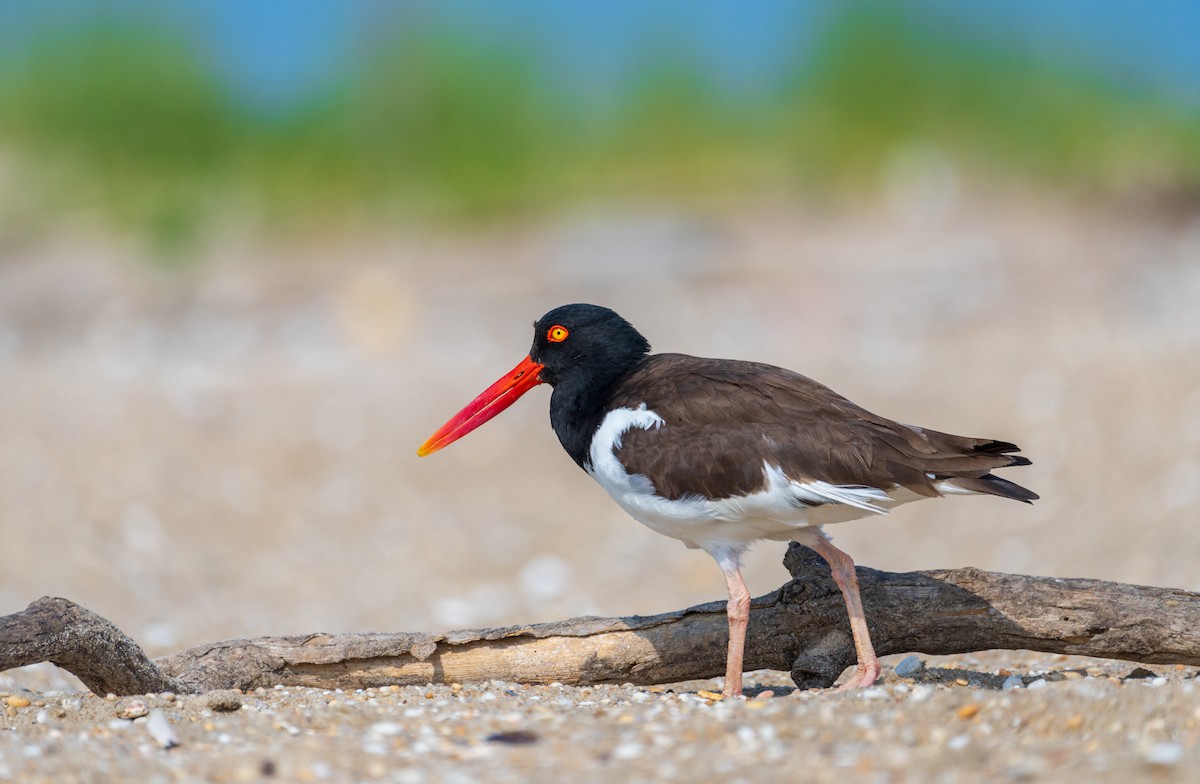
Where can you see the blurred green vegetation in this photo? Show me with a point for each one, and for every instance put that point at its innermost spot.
(131, 124)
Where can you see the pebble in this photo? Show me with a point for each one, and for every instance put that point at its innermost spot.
(513, 737)
(385, 729)
(17, 701)
(1163, 754)
(628, 750)
(160, 730)
(1013, 682)
(133, 709)
(921, 692)
(223, 700)
(1039, 683)
(969, 711)
(909, 666)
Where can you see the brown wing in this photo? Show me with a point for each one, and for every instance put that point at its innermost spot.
(724, 418)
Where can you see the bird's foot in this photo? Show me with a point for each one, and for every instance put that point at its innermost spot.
(864, 675)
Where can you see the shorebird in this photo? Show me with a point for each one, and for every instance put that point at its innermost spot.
(721, 453)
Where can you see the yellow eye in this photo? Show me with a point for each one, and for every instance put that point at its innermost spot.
(557, 334)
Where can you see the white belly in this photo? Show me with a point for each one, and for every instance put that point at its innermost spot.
(784, 510)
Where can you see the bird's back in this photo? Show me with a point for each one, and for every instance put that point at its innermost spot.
(722, 420)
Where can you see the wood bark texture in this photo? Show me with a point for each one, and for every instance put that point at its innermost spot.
(802, 627)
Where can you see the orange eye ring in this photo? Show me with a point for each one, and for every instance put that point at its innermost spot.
(557, 334)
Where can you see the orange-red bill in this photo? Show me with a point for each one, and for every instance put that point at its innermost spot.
(490, 402)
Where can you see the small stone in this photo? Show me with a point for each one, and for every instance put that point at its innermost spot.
(455, 687)
(160, 730)
(1073, 675)
(1137, 673)
(765, 694)
(1075, 722)
(385, 729)
(17, 701)
(1012, 682)
(628, 750)
(222, 700)
(961, 682)
(969, 711)
(921, 692)
(133, 709)
(710, 695)
(1163, 754)
(908, 667)
(513, 737)
(1038, 684)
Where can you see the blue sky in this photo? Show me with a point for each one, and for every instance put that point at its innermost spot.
(278, 51)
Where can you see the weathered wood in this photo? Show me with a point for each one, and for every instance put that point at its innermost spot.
(801, 627)
(953, 611)
(80, 641)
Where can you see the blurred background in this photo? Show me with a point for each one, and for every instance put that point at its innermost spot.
(253, 253)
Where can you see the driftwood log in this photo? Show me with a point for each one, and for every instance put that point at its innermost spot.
(801, 627)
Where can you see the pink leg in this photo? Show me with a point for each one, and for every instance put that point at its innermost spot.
(842, 567)
(738, 610)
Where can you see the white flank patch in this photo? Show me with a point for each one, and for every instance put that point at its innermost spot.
(784, 509)
(868, 499)
(947, 488)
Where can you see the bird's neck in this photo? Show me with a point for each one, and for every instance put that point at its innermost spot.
(578, 406)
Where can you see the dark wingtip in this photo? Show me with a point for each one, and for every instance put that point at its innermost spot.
(998, 447)
(1012, 489)
(994, 485)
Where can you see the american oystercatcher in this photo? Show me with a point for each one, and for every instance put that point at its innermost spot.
(721, 453)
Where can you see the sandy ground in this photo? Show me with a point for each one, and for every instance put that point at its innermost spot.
(227, 450)
(1076, 720)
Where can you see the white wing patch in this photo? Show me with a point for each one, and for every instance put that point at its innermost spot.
(602, 460)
